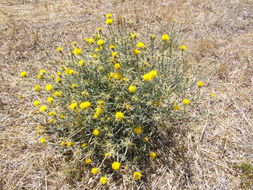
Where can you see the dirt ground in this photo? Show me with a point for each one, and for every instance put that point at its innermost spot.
(219, 36)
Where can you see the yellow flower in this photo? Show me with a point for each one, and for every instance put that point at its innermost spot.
(40, 77)
(58, 93)
(109, 21)
(70, 143)
(36, 102)
(106, 155)
(77, 51)
(117, 66)
(117, 76)
(136, 51)
(69, 71)
(73, 105)
(112, 46)
(147, 77)
(153, 73)
(212, 95)
(61, 116)
(200, 83)
(51, 113)
(114, 54)
(119, 116)
(83, 145)
(132, 88)
(99, 29)
(85, 105)
(137, 175)
(140, 45)
(81, 62)
(85, 93)
(58, 79)
(145, 139)
(138, 130)
(186, 101)
(58, 73)
(95, 116)
(108, 15)
(116, 165)
(91, 41)
(42, 71)
(50, 99)
(165, 37)
(73, 85)
(43, 108)
(95, 132)
(183, 47)
(101, 102)
(103, 180)
(63, 143)
(133, 36)
(49, 87)
(100, 68)
(42, 140)
(176, 107)
(94, 171)
(87, 161)
(51, 120)
(100, 42)
(59, 49)
(23, 74)
(152, 155)
(99, 111)
(37, 87)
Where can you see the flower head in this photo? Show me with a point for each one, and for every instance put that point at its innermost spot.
(87, 161)
(117, 66)
(77, 51)
(49, 87)
(91, 41)
(116, 165)
(43, 108)
(73, 106)
(183, 47)
(50, 99)
(165, 37)
(152, 155)
(138, 130)
(200, 83)
(119, 116)
(85, 105)
(136, 51)
(42, 140)
(131, 88)
(108, 21)
(59, 49)
(36, 102)
(103, 180)
(140, 45)
(95, 132)
(100, 42)
(186, 101)
(137, 175)
(95, 171)
(23, 74)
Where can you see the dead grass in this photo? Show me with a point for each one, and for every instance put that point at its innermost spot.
(219, 36)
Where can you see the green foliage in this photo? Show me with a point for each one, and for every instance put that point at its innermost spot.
(106, 99)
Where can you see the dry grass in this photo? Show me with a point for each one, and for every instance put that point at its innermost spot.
(219, 36)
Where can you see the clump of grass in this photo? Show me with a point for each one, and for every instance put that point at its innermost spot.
(246, 174)
(106, 99)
